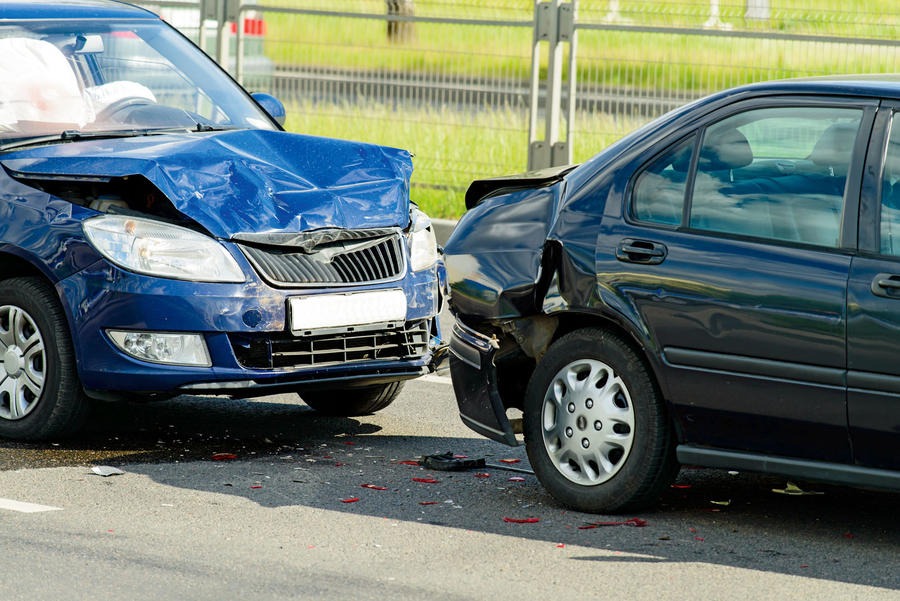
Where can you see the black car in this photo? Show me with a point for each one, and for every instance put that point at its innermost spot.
(720, 288)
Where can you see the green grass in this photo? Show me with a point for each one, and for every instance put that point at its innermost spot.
(450, 148)
(606, 58)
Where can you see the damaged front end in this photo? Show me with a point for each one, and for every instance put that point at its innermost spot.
(502, 266)
(270, 261)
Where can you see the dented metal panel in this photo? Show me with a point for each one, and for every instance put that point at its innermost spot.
(262, 183)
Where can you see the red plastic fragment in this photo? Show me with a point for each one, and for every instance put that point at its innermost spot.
(429, 502)
(428, 480)
(350, 500)
(510, 461)
(460, 456)
(256, 486)
(409, 462)
(636, 522)
(224, 456)
(374, 486)
(517, 479)
(482, 475)
(522, 520)
(681, 486)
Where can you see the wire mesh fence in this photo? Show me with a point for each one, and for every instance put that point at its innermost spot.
(451, 80)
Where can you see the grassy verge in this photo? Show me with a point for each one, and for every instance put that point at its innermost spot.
(450, 148)
(607, 58)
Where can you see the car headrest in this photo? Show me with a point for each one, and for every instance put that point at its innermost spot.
(725, 149)
(834, 147)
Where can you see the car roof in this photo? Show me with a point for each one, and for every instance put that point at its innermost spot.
(885, 85)
(22, 10)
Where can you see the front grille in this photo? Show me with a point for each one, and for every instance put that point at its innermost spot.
(282, 351)
(344, 262)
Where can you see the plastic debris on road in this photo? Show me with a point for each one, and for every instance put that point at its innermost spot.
(635, 522)
(224, 457)
(106, 471)
(374, 486)
(448, 462)
(427, 480)
(793, 490)
(521, 520)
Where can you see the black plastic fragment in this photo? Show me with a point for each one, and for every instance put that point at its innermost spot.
(446, 462)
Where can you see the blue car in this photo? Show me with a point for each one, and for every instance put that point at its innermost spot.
(720, 288)
(161, 234)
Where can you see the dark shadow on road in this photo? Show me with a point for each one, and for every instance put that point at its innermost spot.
(287, 455)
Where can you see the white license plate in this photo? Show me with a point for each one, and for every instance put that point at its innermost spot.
(330, 311)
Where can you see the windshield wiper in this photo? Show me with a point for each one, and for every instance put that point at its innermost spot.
(73, 135)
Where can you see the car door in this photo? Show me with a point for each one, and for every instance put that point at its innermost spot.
(734, 251)
(874, 305)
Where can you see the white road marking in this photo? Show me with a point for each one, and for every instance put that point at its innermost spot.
(436, 379)
(23, 507)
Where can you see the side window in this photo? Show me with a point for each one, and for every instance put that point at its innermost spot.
(658, 193)
(776, 173)
(890, 193)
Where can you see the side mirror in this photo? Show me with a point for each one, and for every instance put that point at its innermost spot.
(271, 105)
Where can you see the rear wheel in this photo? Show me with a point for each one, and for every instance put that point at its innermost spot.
(348, 402)
(40, 396)
(596, 430)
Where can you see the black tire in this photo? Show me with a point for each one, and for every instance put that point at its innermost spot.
(347, 402)
(607, 447)
(40, 395)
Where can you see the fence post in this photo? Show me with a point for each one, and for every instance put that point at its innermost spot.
(400, 31)
(554, 23)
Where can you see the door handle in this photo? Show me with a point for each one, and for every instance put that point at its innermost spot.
(645, 252)
(887, 285)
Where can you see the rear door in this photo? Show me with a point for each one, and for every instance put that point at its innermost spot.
(873, 344)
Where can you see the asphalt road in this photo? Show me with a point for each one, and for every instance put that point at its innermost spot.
(277, 521)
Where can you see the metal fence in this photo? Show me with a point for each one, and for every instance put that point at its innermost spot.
(488, 87)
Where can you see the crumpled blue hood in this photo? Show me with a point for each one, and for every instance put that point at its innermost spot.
(247, 181)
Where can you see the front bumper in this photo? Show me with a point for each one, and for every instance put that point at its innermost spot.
(247, 333)
(475, 384)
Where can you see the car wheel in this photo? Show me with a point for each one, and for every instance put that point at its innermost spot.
(40, 395)
(347, 402)
(596, 430)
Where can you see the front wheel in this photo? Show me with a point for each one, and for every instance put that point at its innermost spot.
(596, 430)
(348, 402)
(40, 395)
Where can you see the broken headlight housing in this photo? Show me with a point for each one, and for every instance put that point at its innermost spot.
(423, 251)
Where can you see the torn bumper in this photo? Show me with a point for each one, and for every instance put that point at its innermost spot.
(475, 384)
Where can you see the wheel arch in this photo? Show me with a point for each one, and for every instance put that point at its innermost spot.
(565, 322)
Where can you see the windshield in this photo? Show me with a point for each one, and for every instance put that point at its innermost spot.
(94, 77)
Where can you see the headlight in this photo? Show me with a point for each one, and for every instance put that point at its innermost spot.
(422, 243)
(160, 249)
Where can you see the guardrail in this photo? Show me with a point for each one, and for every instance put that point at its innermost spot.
(493, 86)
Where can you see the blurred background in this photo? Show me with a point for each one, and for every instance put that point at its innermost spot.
(479, 88)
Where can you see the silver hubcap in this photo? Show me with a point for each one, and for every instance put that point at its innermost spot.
(587, 422)
(23, 355)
